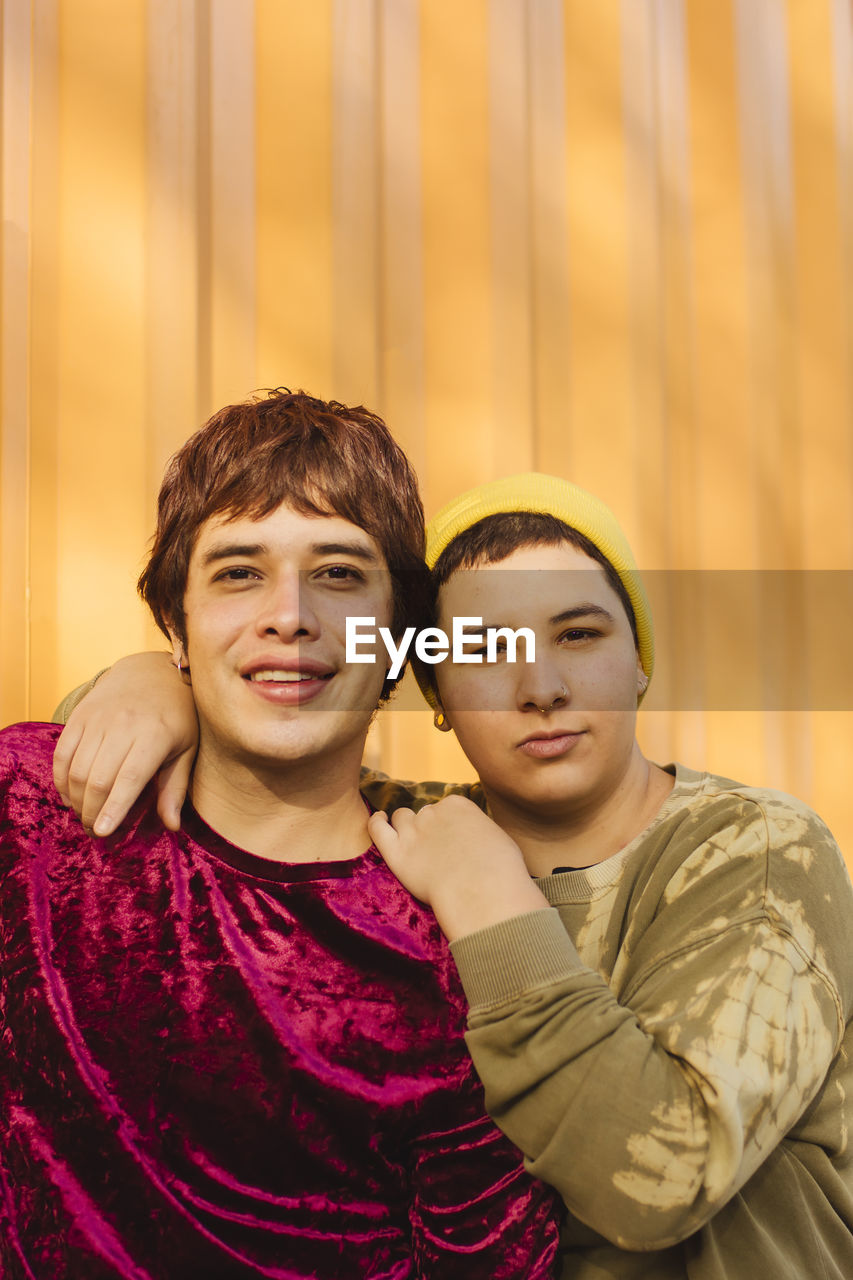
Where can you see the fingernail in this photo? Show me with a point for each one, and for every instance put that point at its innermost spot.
(103, 826)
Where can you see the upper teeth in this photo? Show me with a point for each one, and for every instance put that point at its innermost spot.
(282, 675)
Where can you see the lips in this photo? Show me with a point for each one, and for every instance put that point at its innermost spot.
(287, 684)
(280, 675)
(550, 746)
(274, 667)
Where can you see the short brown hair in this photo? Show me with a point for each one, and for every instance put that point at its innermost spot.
(321, 457)
(495, 537)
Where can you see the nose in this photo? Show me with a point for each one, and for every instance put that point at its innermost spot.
(285, 609)
(542, 687)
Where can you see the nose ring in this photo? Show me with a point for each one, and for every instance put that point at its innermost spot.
(561, 697)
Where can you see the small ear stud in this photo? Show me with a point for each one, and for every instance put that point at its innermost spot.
(440, 720)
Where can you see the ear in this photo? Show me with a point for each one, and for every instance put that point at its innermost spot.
(178, 656)
(642, 679)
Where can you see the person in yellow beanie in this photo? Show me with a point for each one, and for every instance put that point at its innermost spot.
(656, 959)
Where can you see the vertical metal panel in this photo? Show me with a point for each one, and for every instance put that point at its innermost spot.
(600, 213)
(724, 487)
(401, 305)
(764, 107)
(842, 45)
(549, 234)
(670, 519)
(14, 363)
(461, 446)
(765, 112)
(656, 129)
(295, 282)
(648, 441)
(510, 172)
(401, 300)
(233, 265)
(44, 330)
(356, 201)
(529, 235)
(172, 240)
(457, 260)
(101, 357)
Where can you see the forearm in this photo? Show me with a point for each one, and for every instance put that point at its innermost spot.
(643, 1130)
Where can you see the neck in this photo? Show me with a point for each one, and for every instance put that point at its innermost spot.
(584, 833)
(302, 811)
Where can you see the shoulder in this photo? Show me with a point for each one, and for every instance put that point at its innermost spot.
(31, 811)
(739, 844)
(389, 794)
(757, 817)
(707, 807)
(753, 851)
(26, 750)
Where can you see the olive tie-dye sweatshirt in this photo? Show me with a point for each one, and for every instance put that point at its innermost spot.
(670, 1045)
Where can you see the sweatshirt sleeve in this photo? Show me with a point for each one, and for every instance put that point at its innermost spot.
(74, 698)
(649, 1110)
(388, 794)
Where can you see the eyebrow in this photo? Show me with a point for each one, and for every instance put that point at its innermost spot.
(229, 550)
(225, 550)
(357, 549)
(586, 610)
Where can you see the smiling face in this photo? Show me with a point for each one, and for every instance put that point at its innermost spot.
(265, 607)
(555, 737)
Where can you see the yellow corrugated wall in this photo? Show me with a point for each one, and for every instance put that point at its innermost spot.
(612, 241)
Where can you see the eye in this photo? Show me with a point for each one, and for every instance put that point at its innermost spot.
(340, 573)
(577, 635)
(237, 573)
(499, 648)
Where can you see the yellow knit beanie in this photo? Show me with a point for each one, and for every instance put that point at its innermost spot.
(578, 509)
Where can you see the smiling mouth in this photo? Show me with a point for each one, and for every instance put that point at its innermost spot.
(285, 676)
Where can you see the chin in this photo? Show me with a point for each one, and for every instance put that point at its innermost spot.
(277, 748)
(558, 789)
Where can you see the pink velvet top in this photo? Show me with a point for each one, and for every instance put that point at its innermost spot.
(215, 1065)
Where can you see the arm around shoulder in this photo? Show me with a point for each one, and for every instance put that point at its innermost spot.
(133, 720)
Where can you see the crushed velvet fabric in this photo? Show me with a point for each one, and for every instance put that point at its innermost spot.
(215, 1065)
